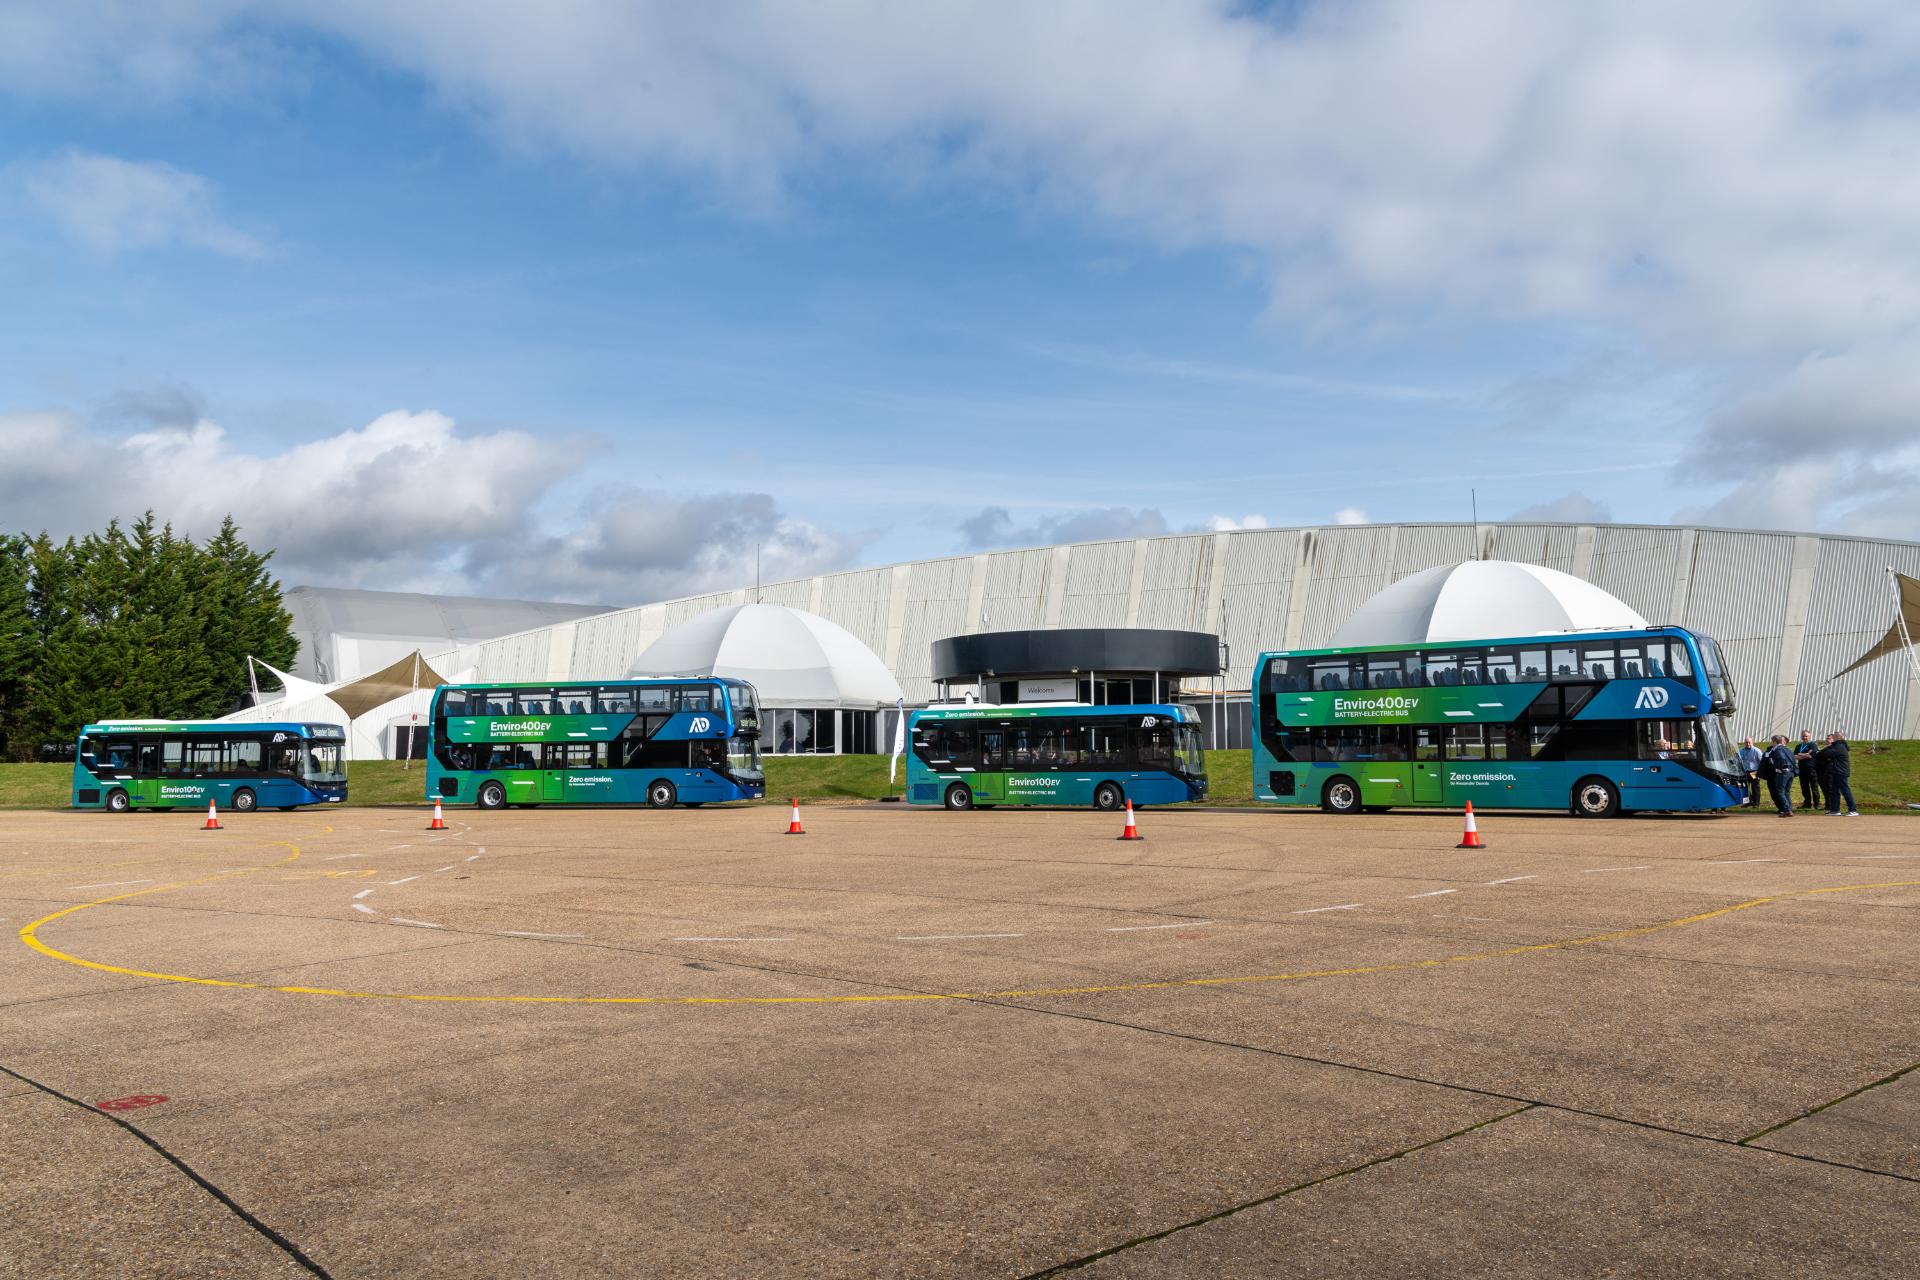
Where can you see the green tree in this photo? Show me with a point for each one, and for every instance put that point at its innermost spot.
(17, 639)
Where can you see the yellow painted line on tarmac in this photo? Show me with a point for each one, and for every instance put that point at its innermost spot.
(29, 934)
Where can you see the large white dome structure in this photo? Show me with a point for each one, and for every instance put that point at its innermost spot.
(1479, 600)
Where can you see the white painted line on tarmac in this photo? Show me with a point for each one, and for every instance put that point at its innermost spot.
(1350, 906)
(403, 879)
(336, 857)
(473, 857)
(418, 924)
(361, 906)
(363, 893)
(953, 937)
(1594, 871)
(408, 845)
(513, 933)
(450, 866)
(733, 939)
(1513, 879)
(1143, 928)
(108, 884)
(1432, 893)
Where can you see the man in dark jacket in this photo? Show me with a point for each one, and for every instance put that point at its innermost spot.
(1805, 757)
(1780, 779)
(1837, 764)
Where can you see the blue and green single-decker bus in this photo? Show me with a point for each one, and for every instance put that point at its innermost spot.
(1596, 723)
(659, 742)
(978, 756)
(120, 765)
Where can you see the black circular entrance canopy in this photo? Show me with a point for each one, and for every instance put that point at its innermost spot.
(1104, 649)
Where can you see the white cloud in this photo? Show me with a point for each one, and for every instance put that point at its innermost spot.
(112, 205)
(1225, 524)
(1350, 515)
(407, 502)
(995, 527)
(1573, 507)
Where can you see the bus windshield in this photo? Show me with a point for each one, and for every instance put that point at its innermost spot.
(743, 756)
(1187, 756)
(322, 763)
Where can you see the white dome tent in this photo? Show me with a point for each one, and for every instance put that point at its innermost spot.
(819, 685)
(1481, 600)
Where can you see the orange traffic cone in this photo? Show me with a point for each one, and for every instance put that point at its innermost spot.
(439, 823)
(1132, 832)
(793, 824)
(213, 818)
(1471, 839)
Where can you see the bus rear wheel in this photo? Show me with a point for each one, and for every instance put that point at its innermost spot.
(491, 796)
(118, 801)
(660, 794)
(959, 797)
(1595, 798)
(1340, 795)
(1109, 796)
(244, 801)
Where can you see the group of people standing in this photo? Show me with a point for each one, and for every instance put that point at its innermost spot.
(1824, 773)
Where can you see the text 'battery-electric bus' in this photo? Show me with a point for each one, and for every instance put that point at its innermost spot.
(1598, 723)
(658, 742)
(185, 764)
(967, 756)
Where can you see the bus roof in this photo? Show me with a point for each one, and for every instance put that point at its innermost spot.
(987, 710)
(599, 684)
(302, 728)
(1545, 637)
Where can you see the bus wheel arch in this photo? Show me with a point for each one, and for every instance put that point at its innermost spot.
(119, 801)
(1340, 795)
(959, 797)
(244, 801)
(491, 795)
(661, 794)
(1109, 796)
(1596, 797)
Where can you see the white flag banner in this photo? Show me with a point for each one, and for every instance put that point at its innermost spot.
(899, 738)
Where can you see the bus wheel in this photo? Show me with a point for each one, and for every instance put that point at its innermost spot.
(1109, 796)
(1340, 795)
(118, 801)
(959, 796)
(491, 796)
(244, 801)
(1595, 798)
(660, 794)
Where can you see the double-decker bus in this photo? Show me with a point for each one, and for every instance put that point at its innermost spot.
(1597, 723)
(1054, 753)
(183, 764)
(660, 742)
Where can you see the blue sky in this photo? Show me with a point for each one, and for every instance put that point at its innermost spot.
(585, 303)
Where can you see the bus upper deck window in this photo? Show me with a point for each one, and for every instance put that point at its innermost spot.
(1599, 661)
(1566, 663)
(1632, 663)
(618, 702)
(1679, 662)
(573, 702)
(536, 702)
(453, 702)
(1500, 667)
(1533, 664)
(500, 702)
(654, 697)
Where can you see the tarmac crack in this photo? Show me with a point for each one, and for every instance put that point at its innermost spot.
(1075, 1264)
(266, 1232)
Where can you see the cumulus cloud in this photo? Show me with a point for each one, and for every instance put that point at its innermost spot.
(406, 502)
(995, 527)
(1570, 508)
(1350, 515)
(1225, 524)
(112, 205)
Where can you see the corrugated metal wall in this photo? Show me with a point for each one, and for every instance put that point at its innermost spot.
(1816, 602)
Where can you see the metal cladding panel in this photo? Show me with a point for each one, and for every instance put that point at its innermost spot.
(1850, 608)
(1739, 587)
(679, 611)
(1255, 597)
(858, 601)
(1549, 545)
(1350, 563)
(1752, 662)
(1098, 576)
(795, 593)
(1173, 592)
(1424, 546)
(1639, 565)
(519, 657)
(936, 609)
(606, 645)
(1016, 591)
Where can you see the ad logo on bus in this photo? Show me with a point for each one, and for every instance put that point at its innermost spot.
(1651, 698)
(699, 724)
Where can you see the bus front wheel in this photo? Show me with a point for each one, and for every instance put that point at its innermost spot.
(1596, 798)
(244, 801)
(1340, 795)
(660, 794)
(118, 801)
(491, 796)
(1108, 795)
(959, 797)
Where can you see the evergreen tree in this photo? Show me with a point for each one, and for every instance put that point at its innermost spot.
(17, 640)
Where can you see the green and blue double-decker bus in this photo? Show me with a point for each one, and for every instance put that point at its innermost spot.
(1596, 723)
(120, 765)
(659, 742)
(1056, 754)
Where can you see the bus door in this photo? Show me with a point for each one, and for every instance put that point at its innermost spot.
(1429, 769)
(552, 784)
(989, 781)
(144, 788)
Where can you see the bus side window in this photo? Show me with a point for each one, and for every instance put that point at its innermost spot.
(655, 697)
(453, 702)
(992, 750)
(615, 702)
(499, 702)
(1426, 742)
(1679, 664)
(1496, 742)
(1465, 742)
(1599, 661)
(1500, 667)
(1566, 664)
(1533, 664)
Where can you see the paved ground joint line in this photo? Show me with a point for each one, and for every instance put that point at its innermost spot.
(1832, 1102)
(1077, 1263)
(280, 1242)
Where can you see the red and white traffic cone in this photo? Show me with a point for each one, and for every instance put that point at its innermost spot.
(213, 818)
(439, 823)
(1132, 832)
(793, 823)
(1471, 838)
